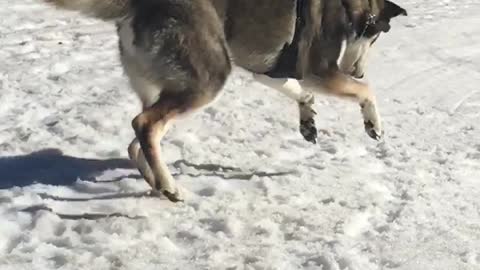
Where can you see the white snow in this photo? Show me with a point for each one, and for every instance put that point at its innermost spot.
(260, 197)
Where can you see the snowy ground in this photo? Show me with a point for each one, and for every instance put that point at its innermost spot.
(261, 197)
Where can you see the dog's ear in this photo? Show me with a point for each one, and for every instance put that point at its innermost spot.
(392, 10)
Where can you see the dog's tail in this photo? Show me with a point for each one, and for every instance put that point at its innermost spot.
(102, 9)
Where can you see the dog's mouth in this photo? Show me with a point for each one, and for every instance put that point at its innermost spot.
(357, 74)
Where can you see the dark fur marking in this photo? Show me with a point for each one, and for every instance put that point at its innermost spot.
(286, 65)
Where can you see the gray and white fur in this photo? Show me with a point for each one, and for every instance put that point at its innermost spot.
(178, 54)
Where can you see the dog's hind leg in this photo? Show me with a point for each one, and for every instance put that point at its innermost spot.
(175, 55)
(305, 99)
(338, 84)
(150, 126)
(136, 155)
(148, 93)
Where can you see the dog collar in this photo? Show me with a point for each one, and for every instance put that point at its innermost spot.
(371, 20)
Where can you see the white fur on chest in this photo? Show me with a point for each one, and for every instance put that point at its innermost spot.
(355, 53)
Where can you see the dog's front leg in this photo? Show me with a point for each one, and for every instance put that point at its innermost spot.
(292, 89)
(338, 84)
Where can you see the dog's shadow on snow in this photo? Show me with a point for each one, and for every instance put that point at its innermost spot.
(52, 167)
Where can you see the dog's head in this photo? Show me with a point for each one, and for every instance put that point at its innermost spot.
(369, 23)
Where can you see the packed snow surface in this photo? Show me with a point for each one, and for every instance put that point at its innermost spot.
(260, 197)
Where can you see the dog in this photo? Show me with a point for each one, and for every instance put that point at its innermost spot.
(178, 54)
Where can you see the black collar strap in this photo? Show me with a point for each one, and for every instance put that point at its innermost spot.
(360, 26)
(370, 21)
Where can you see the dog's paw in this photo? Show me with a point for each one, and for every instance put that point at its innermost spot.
(307, 121)
(178, 196)
(371, 120)
(309, 130)
(373, 132)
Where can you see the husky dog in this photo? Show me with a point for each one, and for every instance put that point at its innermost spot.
(178, 54)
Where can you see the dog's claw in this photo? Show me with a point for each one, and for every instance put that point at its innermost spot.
(173, 197)
(370, 129)
(308, 130)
